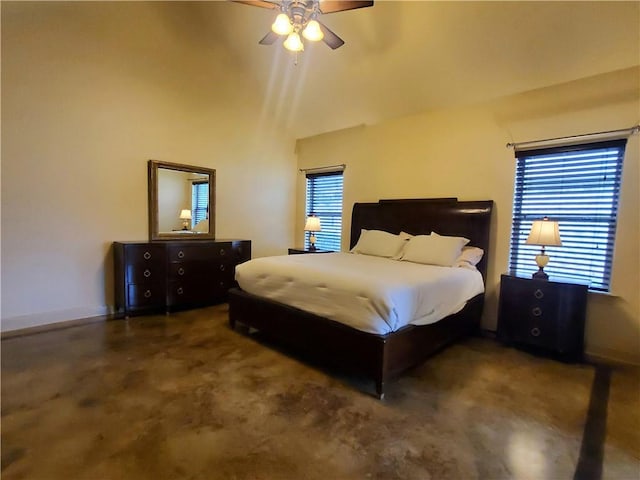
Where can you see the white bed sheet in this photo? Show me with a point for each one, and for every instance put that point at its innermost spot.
(372, 294)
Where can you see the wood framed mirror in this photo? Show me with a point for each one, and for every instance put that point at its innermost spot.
(181, 201)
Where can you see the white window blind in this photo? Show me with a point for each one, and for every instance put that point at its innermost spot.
(199, 201)
(578, 186)
(324, 199)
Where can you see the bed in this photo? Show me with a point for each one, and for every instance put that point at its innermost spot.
(383, 352)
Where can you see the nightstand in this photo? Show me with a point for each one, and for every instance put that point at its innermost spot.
(546, 315)
(299, 251)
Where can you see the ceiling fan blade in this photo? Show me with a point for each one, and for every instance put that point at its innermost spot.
(258, 3)
(330, 38)
(269, 38)
(331, 6)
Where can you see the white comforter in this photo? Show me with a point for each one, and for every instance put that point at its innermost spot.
(372, 294)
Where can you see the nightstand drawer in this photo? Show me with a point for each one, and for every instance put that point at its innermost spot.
(538, 331)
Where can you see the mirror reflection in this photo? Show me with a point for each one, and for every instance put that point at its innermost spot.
(180, 201)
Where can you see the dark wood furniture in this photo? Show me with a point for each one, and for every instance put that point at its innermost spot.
(379, 357)
(173, 275)
(546, 315)
(301, 251)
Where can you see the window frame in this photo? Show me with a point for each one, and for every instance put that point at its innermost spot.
(330, 219)
(578, 226)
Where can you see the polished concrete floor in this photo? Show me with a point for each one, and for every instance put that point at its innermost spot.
(184, 397)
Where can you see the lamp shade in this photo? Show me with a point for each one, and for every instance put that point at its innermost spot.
(312, 224)
(544, 232)
(185, 214)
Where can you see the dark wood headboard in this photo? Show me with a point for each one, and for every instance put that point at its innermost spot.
(445, 216)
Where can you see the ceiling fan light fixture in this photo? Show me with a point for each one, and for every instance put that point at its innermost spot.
(293, 43)
(282, 25)
(312, 31)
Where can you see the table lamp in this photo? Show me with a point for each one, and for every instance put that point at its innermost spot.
(312, 225)
(545, 233)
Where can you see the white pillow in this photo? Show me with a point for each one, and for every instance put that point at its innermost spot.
(466, 240)
(433, 249)
(470, 256)
(378, 243)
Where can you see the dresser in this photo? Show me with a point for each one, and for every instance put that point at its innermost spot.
(175, 275)
(547, 316)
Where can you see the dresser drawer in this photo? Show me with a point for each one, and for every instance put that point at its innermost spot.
(192, 270)
(144, 295)
(196, 293)
(179, 253)
(144, 263)
(241, 251)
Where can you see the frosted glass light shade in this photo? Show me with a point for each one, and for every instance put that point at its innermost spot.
(312, 31)
(293, 43)
(282, 25)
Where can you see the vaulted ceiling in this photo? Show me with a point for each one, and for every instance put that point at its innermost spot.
(404, 57)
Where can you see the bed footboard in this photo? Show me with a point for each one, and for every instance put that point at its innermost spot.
(378, 357)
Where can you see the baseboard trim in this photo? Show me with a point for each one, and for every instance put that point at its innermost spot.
(55, 319)
(599, 356)
(612, 358)
(21, 332)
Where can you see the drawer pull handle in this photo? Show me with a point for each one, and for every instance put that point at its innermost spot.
(223, 252)
(535, 331)
(147, 255)
(180, 291)
(538, 294)
(180, 254)
(147, 294)
(537, 311)
(181, 271)
(222, 268)
(147, 273)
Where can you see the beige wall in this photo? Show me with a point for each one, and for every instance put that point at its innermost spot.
(90, 92)
(461, 152)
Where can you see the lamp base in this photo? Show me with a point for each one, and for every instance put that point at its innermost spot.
(540, 275)
(312, 248)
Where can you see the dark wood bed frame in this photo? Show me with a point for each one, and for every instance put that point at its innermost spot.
(379, 357)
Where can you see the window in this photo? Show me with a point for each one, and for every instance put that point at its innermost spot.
(579, 187)
(199, 201)
(324, 199)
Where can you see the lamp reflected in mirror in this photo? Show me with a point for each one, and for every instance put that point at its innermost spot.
(185, 216)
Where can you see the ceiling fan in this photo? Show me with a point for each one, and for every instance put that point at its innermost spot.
(301, 17)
